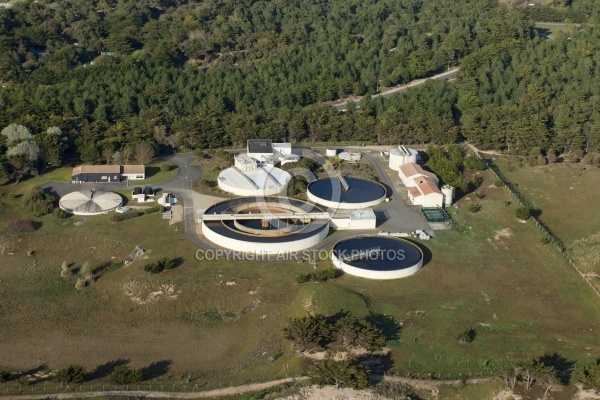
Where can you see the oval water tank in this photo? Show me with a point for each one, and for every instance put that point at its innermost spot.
(448, 192)
(396, 159)
(331, 152)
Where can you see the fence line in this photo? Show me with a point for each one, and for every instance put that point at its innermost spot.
(552, 238)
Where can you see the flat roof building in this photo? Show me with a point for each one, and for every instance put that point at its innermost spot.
(107, 173)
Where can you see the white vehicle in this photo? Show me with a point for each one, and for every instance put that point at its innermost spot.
(122, 210)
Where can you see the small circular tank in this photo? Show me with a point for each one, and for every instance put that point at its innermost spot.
(448, 192)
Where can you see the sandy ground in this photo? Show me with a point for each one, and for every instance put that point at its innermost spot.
(331, 393)
(177, 214)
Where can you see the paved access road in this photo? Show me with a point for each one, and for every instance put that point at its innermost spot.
(341, 104)
(180, 184)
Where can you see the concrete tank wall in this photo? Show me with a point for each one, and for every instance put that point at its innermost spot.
(264, 247)
(370, 274)
(343, 206)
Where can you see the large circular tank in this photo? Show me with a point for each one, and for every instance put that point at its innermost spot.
(377, 257)
(246, 233)
(90, 202)
(261, 181)
(361, 193)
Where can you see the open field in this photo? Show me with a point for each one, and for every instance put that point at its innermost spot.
(566, 195)
(220, 321)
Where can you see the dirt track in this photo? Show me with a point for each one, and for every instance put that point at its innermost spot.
(416, 383)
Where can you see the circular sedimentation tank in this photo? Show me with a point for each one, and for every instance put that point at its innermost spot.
(253, 232)
(377, 257)
(90, 202)
(330, 192)
(260, 181)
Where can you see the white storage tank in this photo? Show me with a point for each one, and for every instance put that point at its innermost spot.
(448, 192)
(402, 155)
(331, 152)
(395, 160)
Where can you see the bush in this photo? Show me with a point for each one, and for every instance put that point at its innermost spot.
(6, 375)
(474, 207)
(480, 195)
(13, 196)
(125, 216)
(164, 263)
(523, 213)
(345, 373)
(73, 373)
(124, 375)
(321, 275)
(164, 167)
(303, 278)
(551, 156)
(474, 162)
(466, 336)
(153, 210)
(153, 268)
(395, 390)
(39, 202)
(498, 183)
(167, 263)
(21, 225)
(59, 214)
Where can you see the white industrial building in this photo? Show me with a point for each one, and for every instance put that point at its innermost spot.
(401, 155)
(411, 171)
(354, 219)
(267, 152)
(425, 193)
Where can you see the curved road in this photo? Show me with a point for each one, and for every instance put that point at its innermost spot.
(340, 105)
(181, 185)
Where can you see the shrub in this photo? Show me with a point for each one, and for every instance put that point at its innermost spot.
(124, 375)
(167, 263)
(73, 373)
(545, 240)
(164, 263)
(480, 195)
(21, 225)
(59, 214)
(125, 216)
(541, 160)
(466, 336)
(551, 156)
(474, 207)
(345, 373)
(13, 196)
(523, 213)
(6, 375)
(474, 162)
(39, 202)
(153, 210)
(498, 183)
(164, 167)
(303, 278)
(153, 268)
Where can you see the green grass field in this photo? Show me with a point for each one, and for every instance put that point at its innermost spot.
(221, 321)
(155, 175)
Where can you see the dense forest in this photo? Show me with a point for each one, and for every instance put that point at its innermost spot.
(203, 74)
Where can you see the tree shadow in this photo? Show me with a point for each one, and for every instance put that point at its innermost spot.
(106, 267)
(103, 370)
(156, 369)
(378, 364)
(564, 367)
(333, 319)
(177, 261)
(387, 324)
